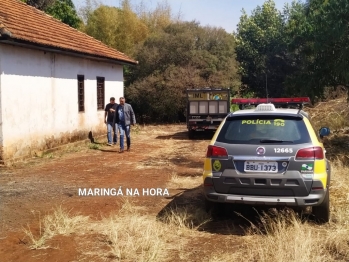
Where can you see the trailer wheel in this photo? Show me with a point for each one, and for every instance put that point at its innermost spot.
(191, 134)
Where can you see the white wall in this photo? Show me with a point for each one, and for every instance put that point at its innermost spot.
(39, 98)
(1, 138)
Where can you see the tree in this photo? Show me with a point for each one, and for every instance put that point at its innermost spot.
(117, 28)
(39, 4)
(262, 51)
(320, 50)
(330, 23)
(65, 11)
(157, 19)
(183, 55)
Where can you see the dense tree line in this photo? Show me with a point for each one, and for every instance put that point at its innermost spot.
(300, 50)
(183, 55)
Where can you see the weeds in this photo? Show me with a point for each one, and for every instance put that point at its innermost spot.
(60, 222)
(188, 216)
(130, 234)
(330, 114)
(63, 223)
(94, 146)
(36, 242)
(179, 182)
(284, 237)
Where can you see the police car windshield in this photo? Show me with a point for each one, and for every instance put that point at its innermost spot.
(264, 129)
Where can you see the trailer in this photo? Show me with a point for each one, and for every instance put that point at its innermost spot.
(206, 108)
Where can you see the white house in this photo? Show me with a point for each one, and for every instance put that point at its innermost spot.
(54, 81)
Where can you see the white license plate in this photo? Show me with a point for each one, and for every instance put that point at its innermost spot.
(200, 129)
(257, 166)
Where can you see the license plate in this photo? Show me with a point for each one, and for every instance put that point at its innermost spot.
(200, 129)
(257, 166)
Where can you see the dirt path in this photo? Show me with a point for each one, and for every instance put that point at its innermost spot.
(161, 158)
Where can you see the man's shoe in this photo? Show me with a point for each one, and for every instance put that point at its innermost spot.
(121, 151)
(109, 144)
(128, 148)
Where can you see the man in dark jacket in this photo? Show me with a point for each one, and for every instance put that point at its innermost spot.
(124, 117)
(108, 120)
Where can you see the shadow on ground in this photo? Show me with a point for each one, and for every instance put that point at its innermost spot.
(116, 150)
(233, 219)
(228, 223)
(184, 136)
(179, 161)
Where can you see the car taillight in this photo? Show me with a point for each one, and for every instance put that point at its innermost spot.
(216, 151)
(310, 153)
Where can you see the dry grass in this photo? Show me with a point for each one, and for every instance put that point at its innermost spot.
(131, 234)
(36, 242)
(284, 237)
(333, 114)
(135, 237)
(61, 222)
(338, 234)
(178, 182)
(188, 216)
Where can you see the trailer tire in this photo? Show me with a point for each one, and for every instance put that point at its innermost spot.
(191, 134)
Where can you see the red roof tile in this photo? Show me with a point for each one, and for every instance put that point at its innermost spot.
(26, 23)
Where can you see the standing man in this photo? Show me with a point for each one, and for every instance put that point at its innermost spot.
(108, 120)
(124, 117)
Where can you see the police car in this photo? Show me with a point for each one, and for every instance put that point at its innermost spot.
(268, 155)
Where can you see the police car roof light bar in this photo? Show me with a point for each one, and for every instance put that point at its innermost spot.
(256, 101)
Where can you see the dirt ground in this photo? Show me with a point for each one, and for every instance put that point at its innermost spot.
(161, 158)
(32, 189)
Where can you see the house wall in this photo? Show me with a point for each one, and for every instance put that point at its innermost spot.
(39, 99)
(1, 138)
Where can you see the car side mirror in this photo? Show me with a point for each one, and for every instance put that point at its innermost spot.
(324, 131)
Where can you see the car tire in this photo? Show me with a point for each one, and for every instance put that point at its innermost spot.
(322, 212)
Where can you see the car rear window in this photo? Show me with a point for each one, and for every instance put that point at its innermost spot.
(264, 130)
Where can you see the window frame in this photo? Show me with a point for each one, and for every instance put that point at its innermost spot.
(100, 92)
(81, 101)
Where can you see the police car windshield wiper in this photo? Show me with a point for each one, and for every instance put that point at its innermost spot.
(274, 141)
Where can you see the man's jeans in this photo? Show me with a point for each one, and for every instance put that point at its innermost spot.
(110, 130)
(124, 129)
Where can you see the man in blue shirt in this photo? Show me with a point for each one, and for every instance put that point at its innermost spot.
(124, 117)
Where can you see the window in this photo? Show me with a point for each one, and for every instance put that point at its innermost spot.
(100, 93)
(81, 93)
(253, 129)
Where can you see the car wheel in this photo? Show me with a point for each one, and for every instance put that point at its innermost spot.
(322, 212)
